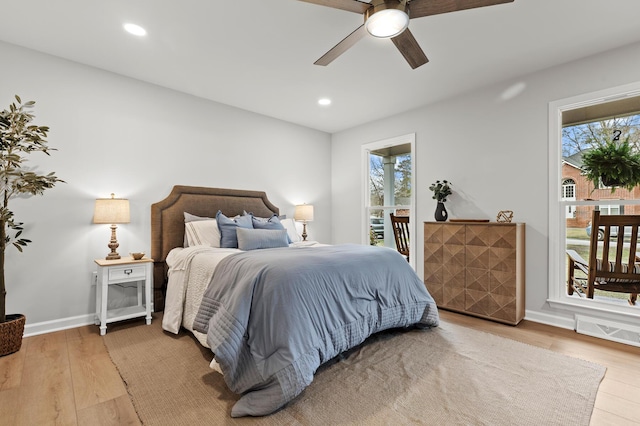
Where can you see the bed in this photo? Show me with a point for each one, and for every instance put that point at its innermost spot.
(272, 313)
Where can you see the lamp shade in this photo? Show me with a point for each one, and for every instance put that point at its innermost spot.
(111, 210)
(303, 212)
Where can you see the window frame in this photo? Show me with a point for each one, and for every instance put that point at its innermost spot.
(408, 139)
(557, 295)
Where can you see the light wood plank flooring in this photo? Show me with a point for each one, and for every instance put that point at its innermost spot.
(67, 378)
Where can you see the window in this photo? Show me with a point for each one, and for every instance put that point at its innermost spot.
(388, 188)
(569, 194)
(568, 189)
(609, 209)
(576, 125)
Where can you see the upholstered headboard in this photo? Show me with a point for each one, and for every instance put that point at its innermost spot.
(167, 221)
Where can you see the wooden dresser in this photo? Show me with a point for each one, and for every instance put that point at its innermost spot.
(476, 268)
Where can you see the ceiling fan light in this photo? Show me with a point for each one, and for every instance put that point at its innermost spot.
(387, 23)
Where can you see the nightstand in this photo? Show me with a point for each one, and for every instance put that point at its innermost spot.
(120, 271)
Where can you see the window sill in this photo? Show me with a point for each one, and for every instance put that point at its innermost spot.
(627, 314)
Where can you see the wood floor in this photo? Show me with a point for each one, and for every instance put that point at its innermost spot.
(67, 378)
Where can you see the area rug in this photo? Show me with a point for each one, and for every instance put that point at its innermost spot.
(447, 375)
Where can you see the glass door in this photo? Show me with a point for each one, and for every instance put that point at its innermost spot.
(388, 176)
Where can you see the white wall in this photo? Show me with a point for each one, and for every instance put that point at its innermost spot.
(491, 146)
(115, 134)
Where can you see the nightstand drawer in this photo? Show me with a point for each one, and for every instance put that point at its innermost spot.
(127, 272)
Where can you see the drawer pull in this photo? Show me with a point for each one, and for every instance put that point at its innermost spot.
(128, 271)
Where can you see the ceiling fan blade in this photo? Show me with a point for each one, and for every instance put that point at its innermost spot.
(410, 49)
(348, 5)
(342, 47)
(420, 8)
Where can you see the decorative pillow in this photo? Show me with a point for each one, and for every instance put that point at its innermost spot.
(281, 217)
(293, 230)
(253, 239)
(202, 233)
(227, 227)
(266, 223)
(273, 222)
(188, 217)
(610, 267)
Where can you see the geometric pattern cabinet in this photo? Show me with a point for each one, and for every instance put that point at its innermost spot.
(476, 268)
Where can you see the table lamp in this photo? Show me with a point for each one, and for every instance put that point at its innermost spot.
(304, 213)
(113, 211)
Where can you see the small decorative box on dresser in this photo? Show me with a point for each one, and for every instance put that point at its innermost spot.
(120, 271)
(476, 268)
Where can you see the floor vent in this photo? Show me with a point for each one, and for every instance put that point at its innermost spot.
(610, 330)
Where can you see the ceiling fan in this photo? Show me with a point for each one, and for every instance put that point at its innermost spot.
(390, 19)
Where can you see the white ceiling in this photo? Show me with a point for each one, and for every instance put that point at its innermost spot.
(258, 54)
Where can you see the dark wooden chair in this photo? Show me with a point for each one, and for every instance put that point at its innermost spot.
(621, 275)
(400, 226)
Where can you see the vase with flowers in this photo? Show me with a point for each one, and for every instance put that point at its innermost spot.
(441, 190)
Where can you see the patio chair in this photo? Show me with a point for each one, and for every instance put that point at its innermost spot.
(400, 226)
(621, 275)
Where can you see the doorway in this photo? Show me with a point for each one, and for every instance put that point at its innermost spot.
(388, 183)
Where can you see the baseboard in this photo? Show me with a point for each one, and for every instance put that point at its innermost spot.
(82, 320)
(553, 320)
(57, 325)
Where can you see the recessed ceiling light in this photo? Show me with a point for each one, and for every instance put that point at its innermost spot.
(324, 101)
(135, 29)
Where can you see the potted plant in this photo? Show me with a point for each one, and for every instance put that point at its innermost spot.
(18, 139)
(613, 163)
(441, 190)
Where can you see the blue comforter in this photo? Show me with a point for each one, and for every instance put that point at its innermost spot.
(272, 317)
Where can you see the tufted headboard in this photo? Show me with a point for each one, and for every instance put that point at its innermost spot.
(167, 221)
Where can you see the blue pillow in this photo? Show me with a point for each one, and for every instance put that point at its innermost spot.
(281, 217)
(227, 227)
(253, 239)
(268, 223)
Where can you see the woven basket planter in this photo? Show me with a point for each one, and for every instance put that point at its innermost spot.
(11, 333)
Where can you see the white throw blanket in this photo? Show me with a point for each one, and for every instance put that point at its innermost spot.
(189, 276)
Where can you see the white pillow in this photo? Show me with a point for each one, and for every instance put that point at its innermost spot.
(188, 217)
(202, 233)
(293, 231)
